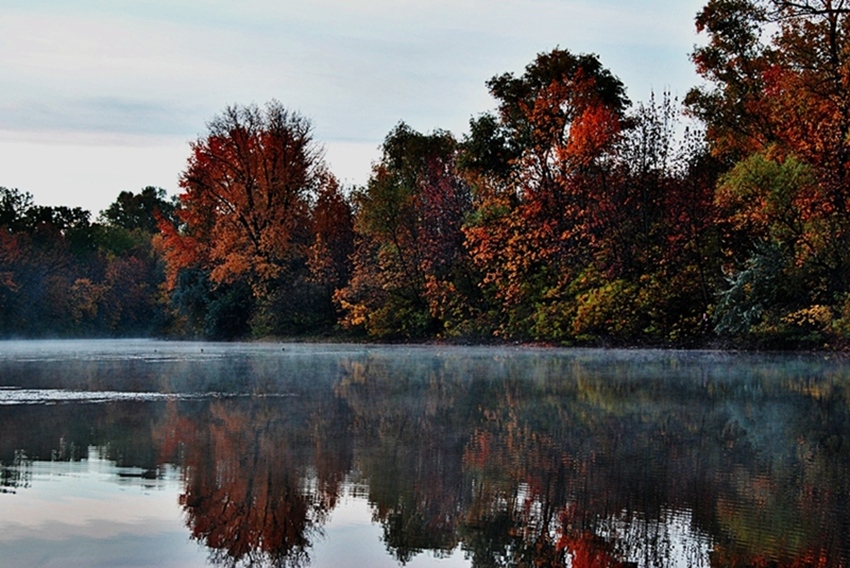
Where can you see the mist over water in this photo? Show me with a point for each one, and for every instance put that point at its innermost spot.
(352, 455)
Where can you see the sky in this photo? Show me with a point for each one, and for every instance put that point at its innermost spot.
(103, 96)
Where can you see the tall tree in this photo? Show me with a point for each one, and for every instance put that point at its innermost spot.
(246, 193)
(541, 178)
(408, 223)
(733, 62)
(244, 214)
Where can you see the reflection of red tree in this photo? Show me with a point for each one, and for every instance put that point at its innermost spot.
(538, 480)
(244, 493)
(587, 550)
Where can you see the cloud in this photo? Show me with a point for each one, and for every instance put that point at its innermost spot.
(96, 73)
(357, 67)
(96, 115)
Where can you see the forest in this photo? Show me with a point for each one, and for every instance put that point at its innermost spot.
(566, 215)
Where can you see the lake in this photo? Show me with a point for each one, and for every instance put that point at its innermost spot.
(154, 453)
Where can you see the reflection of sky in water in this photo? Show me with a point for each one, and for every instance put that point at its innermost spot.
(352, 539)
(686, 547)
(9, 396)
(93, 514)
(84, 514)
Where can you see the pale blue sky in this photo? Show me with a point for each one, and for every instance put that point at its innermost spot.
(100, 96)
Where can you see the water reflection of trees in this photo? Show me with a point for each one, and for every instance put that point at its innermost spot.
(564, 463)
(541, 461)
(246, 464)
(409, 439)
(17, 474)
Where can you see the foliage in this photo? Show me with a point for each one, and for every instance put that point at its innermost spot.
(734, 62)
(536, 212)
(61, 275)
(411, 270)
(777, 105)
(139, 210)
(602, 230)
(257, 207)
(565, 214)
(246, 190)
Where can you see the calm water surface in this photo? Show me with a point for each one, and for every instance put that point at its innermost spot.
(147, 453)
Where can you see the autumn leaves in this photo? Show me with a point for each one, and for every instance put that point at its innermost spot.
(566, 214)
(539, 224)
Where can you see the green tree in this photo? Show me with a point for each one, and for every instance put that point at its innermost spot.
(14, 205)
(409, 241)
(139, 210)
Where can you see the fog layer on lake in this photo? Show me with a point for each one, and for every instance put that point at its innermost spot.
(274, 454)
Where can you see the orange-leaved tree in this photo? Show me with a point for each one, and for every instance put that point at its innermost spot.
(244, 215)
(541, 178)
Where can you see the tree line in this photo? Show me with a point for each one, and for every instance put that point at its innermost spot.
(62, 274)
(566, 214)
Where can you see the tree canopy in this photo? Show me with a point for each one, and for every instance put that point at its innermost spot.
(566, 213)
(244, 222)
